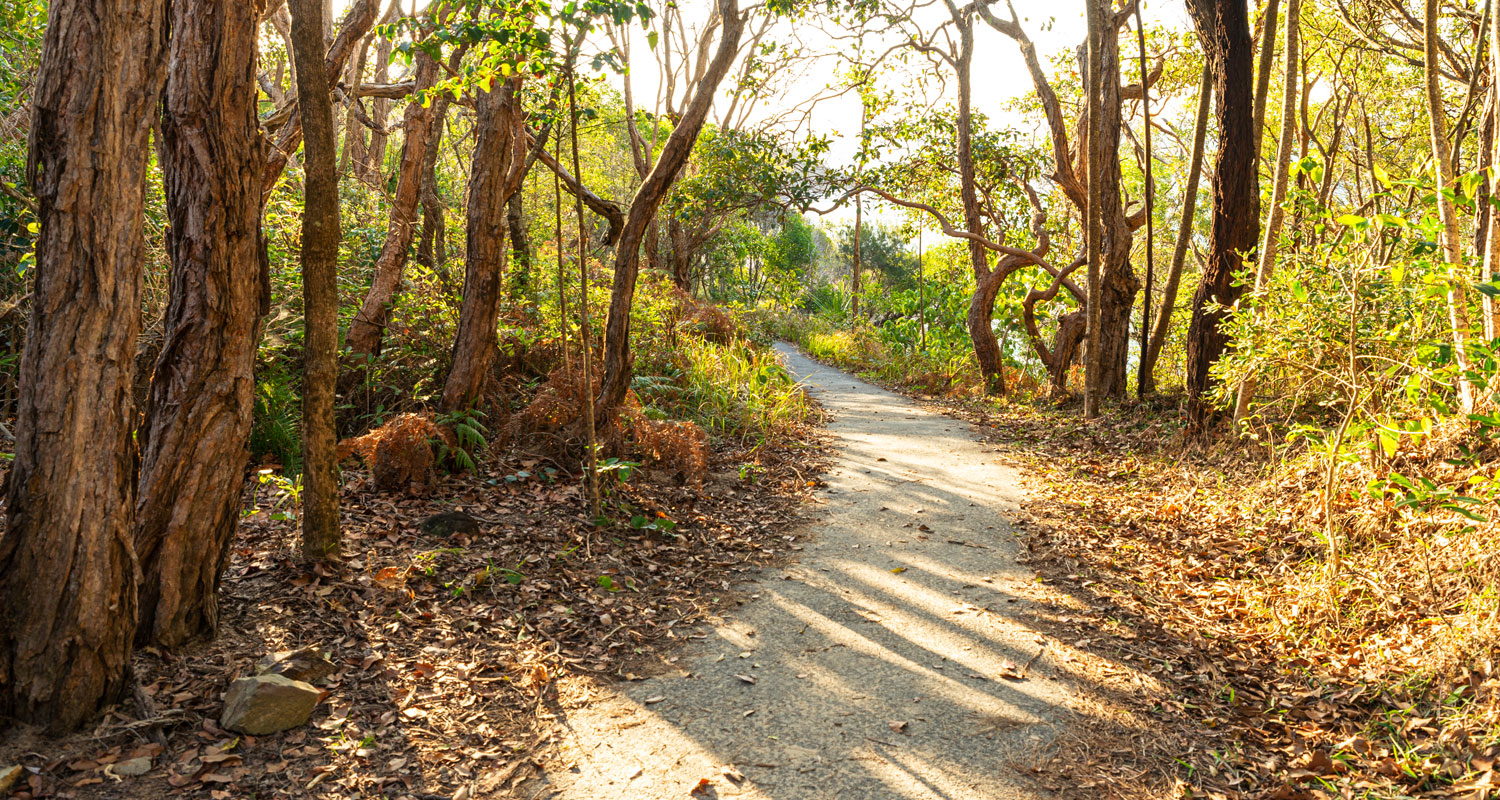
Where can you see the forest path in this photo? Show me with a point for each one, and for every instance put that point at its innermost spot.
(889, 662)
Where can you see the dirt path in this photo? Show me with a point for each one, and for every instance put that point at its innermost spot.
(890, 662)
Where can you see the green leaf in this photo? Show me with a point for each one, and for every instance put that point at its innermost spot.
(651, 39)
(1382, 176)
(1389, 441)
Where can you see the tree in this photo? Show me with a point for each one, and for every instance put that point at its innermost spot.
(367, 329)
(356, 23)
(617, 363)
(1225, 33)
(495, 174)
(1457, 284)
(320, 252)
(67, 560)
(194, 440)
(1163, 322)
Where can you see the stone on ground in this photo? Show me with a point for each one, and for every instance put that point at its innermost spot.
(265, 704)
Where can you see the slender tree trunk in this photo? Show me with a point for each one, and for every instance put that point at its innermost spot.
(367, 329)
(67, 561)
(854, 277)
(194, 441)
(1093, 224)
(674, 153)
(1491, 269)
(355, 152)
(320, 301)
(986, 283)
(1270, 238)
(1263, 72)
(1458, 296)
(520, 244)
(1225, 33)
(380, 109)
(356, 23)
(495, 174)
(682, 259)
(431, 252)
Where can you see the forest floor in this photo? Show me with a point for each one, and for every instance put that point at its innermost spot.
(454, 652)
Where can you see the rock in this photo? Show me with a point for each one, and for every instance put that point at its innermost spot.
(450, 522)
(304, 664)
(10, 778)
(270, 703)
(130, 768)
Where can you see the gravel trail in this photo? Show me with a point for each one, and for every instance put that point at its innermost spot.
(886, 663)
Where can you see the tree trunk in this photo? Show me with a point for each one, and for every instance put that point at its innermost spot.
(520, 244)
(1117, 282)
(1491, 262)
(682, 260)
(1093, 234)
(1071, 328)
(1263, 73)
(986, 283)
(431, 250)
(494, 175)
(194, 441)
(1225, 33)
(67, 561)
(367, 329)
(982, 333)
(679, 145)
(320, 300)
(1272, 233)
(356, 23)
(380, 109)
(355, 152)
(1458, 295)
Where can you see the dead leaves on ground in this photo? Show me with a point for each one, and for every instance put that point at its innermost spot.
(450, 653)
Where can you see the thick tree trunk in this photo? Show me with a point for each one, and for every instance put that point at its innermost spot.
(1225, 33)
(194, 441)
(67, 560)
(495, 174)
(986, 348)
(320, 252)
(1117, 282)
(617, 360)
(1071, 328)
(367, 329)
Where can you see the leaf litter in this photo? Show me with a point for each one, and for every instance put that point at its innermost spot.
(453, 655)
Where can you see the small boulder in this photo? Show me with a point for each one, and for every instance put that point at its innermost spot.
(132, 768)
(265, 704)
(449, 523)
(304, 664)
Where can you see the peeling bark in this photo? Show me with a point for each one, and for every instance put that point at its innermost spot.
(195, 437)
(67, 558)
